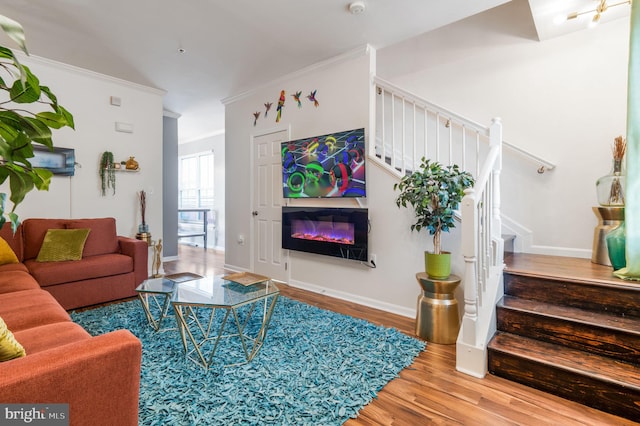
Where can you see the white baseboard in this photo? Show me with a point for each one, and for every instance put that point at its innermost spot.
(523, 243)
(561, 251)
(365, 301)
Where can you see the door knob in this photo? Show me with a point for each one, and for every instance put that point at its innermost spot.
(254, 213)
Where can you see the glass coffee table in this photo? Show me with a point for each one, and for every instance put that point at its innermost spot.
(218, 316)
(155, 294)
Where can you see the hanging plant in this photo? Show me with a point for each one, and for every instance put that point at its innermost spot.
(107, 173)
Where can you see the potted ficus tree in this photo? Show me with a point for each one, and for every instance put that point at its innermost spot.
(28, 113)
(434, 191)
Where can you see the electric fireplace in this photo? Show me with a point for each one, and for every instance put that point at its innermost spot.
(339, 232)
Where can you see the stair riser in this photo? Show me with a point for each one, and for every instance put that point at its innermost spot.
(620, 301)
(587, 390)
(614, 343)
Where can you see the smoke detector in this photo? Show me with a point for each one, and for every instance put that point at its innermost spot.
(356, 8)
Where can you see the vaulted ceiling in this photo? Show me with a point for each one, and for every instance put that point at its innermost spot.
(202, 51)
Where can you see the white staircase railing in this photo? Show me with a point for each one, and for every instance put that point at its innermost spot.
(408, 128)
(483, 251)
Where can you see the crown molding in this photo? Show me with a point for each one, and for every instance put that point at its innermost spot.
(349, 55)
(88, 73)
(170, 114)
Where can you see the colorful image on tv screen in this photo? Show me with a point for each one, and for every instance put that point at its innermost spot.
(330, 165)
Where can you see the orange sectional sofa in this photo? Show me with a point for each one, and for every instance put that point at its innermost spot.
(111, 267)
(99, 377)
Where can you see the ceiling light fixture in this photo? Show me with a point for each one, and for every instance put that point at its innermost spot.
(357, 7)
(599, 10)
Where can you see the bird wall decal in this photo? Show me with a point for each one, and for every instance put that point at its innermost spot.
(280, 106)
(312, 98)
(296, 97)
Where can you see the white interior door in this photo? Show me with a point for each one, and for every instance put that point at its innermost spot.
(268, 256)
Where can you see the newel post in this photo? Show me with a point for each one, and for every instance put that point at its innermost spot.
(495, 139)
(469, 244)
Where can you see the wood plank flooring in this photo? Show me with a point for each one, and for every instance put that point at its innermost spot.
(431, 391)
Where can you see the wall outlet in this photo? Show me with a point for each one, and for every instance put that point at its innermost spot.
(373, 259)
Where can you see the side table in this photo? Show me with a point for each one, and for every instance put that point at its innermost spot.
(438, 319)
(609, 218)
(154, 295)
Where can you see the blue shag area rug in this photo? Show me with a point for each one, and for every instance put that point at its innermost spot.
(316, 368)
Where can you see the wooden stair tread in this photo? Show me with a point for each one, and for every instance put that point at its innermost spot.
(597, 319)
(580, 362)
(570, 269)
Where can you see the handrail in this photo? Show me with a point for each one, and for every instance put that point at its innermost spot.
(485, 173)
(426, 104)
(544, 165)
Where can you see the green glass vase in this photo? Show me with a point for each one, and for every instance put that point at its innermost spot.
(616, 241)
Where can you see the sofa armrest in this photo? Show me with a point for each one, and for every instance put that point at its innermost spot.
(139, 251)
(98, 377)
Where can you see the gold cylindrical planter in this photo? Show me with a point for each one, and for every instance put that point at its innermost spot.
(438, 320)
(609, 218)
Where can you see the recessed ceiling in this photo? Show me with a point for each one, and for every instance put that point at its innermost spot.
(550, 16)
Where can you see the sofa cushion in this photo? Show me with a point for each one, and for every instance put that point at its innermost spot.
(48, 336)
(16, 280)
(62, 244)
(9, 346)
(6, 253)
(33, 232)
(13, 239)
(13, 267)
(103, 238)
(105, 265)
(30, 308)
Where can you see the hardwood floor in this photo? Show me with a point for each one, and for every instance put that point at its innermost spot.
(430, 391)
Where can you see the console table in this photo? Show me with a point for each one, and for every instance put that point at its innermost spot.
(204, 213)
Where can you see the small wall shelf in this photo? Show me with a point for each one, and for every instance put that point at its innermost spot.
(124, 170)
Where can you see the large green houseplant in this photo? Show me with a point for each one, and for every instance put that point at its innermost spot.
(434, 191)
(28, 113)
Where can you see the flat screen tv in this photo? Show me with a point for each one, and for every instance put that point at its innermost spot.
(326, 166)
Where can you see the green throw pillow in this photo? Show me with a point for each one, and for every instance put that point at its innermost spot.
(9, 346)
(62, 244)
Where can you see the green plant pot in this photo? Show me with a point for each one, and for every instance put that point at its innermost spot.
(437, 266)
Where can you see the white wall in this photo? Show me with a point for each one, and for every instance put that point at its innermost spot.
(86, 95)
(216, 144)
(343, 92)
(563, 99)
